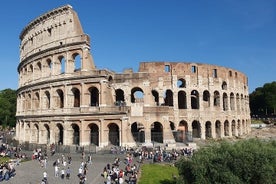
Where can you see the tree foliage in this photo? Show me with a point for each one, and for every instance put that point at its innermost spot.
(263, 100)
(7, 107)
(247, 161)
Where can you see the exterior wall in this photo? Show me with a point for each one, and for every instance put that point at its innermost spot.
(62, 98)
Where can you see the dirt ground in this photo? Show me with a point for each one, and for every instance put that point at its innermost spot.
(268, 133)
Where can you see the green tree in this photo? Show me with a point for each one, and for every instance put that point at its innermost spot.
(8, 107)
(263, 100)
(247, 161)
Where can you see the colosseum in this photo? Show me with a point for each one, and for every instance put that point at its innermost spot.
(62, 98)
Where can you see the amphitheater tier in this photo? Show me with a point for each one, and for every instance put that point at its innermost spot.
(164, 102)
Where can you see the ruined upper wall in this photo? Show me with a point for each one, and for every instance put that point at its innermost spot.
(181, 69)
(55, 28)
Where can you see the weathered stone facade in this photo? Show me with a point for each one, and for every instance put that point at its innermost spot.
(63, 98)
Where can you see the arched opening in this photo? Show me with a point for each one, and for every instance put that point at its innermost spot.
(76, 134)
(218, 129)
(60, 130)
(224, 85)
(168, 99)
(137, 95)
(182, 101)
(94, 96)
(181, 83)
(226, 128)
(156, 96)
(94, 134)
(77, 62)
(206, 98)
(138, 132)
(232, 101)
(238, 102)
(36, 100)
(76, 94)
(225, 102)
(47, 134)
(208, 129)
(239, 127)
(36, 133)
(196, 129)
(182, 132)
(62, 64)
(120, 97)
(194, 100)
(60, 98)
(157, 132)
(216, 99)
(47, 100)
(233, 128)
(113, 135)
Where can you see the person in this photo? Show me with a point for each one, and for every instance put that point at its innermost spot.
(62, 173)
(68, 171)
(45, 175)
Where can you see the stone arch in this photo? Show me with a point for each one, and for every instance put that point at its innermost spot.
(194, 99)
(225, 102)
(94, 134)
(138, 132)
(226, 128)
(76, 94)
(181, 83)
(196, 129)
(36, 100)
(49, 67)
(168, 98)
(59, 133)
(238, 101)
(239, 127)
(94, 96)
(157, 132)
(61, 68)
(29, 101)
(206, 98)
(46, 100)
(182, 100)
(60, 98)
(182, 131)
(224, 85)
(77, 61)
(216, 99)
(120, 97)
(113, 134)
(76, 134)
(218, 129)
(36, 133)
(46, 134)
(208, 129)
(233, 128)
(155, 94)
(232, 101)
(137, 95)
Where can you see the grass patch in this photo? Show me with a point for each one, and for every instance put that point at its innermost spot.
(4, 159)
(157, 174)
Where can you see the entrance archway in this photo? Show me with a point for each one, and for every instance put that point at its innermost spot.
(157, 132)
(94, 134)
(60, 130)
(113, 135)
(208, 129)
(138, 132)
(76, 134)
(196, 129)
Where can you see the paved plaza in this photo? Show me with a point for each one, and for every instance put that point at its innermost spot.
(31, 172)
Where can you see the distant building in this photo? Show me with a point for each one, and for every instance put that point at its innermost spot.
(63, 98)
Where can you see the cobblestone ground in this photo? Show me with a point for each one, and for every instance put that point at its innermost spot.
(31, 172)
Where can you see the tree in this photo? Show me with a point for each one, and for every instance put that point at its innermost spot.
(8, 107)
(263, 100)
(246, 161)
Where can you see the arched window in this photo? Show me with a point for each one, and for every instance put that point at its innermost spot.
(182, 100)
(76, 94)
(168, 99)
(94, 96)
(137, 95)
(194, 100)
(181, 83)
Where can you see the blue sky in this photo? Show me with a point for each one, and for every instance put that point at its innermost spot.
(240, 34)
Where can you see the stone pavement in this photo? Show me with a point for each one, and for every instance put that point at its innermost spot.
(31, 172)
